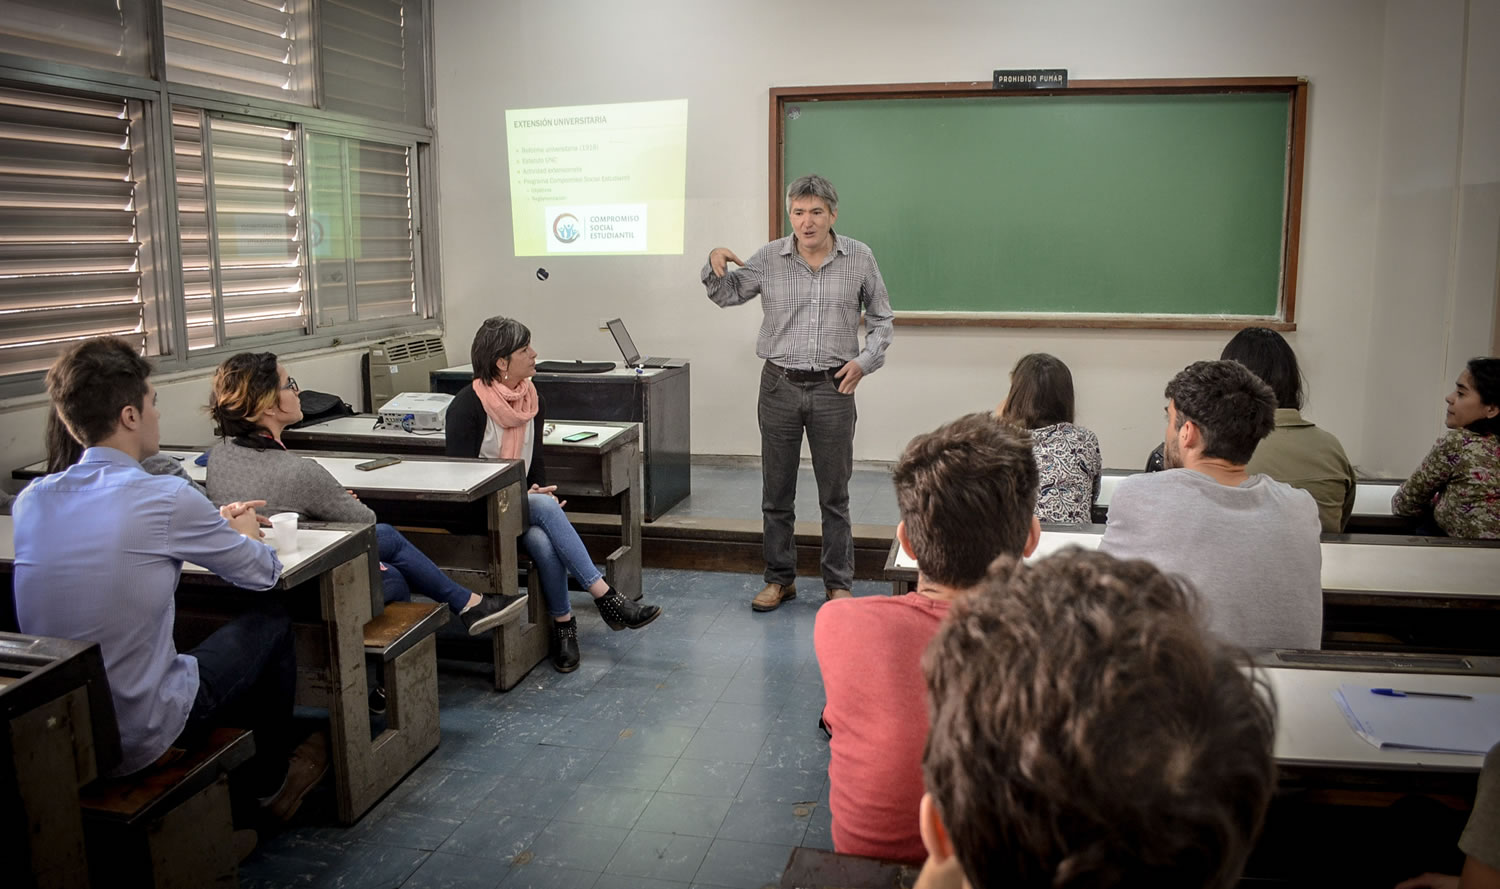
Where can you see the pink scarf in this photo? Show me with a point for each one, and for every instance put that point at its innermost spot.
(511, 410)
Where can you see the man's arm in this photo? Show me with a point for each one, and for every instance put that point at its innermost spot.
(879, 320)
(732, 288)
(199, 534)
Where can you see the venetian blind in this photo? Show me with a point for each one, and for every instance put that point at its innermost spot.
(240, 225)
(373, 58)
(360, 203)
(69, 250)
(253, 47)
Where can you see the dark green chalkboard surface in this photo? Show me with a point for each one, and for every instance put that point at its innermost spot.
(1106, 203)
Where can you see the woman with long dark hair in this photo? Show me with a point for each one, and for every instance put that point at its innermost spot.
(1296, 452)
(501, 416)
(1458, 482)
(1040, 401)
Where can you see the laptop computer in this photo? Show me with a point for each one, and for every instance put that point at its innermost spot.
(634, 358)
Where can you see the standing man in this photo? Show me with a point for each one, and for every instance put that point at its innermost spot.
(813, 285)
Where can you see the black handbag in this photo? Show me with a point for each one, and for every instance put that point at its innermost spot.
(320, 406)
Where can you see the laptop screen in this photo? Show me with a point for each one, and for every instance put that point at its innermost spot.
(622, 339)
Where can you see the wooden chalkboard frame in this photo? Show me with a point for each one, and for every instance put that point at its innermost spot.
(1294, 87)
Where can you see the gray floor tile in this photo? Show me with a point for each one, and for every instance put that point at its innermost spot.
(683, 813)
(820, 829)
(806, 751)
(621, 769)
(655, 739)
(596, 734)
(621, 881)
(579, 846)
(661, 856)
(667, 708)
(704, 777)
(686, 684)
(534, 797)
(748, 718)
(495, 837)
(604, 806)
(535, 876)
(410, 830)
(732, 746)
(364, 866)
(442, 871)
(743, 865)
(559, 763)
(456, 792)
(762, 822)
(785, 785)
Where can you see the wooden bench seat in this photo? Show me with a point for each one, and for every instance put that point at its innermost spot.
(401, 626)
(169, 825)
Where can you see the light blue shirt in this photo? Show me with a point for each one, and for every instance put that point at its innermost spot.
(99, 549)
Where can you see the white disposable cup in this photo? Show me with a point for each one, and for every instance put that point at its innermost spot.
(284, 532)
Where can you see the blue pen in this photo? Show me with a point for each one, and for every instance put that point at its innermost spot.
(1399, 693)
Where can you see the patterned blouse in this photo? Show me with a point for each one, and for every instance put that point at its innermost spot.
(1459, 481)
(1068, 462)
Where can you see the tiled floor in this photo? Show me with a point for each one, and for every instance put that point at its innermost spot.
(725, 490)
(683, 754)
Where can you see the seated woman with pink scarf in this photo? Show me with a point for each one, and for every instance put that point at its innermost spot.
(500, 416)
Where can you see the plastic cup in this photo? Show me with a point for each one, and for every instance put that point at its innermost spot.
(284, 532)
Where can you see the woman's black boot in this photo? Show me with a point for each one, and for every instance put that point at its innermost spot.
(619, 612)
(565, 646)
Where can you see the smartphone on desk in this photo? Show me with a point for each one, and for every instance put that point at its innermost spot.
(377, 463)
(580, 436)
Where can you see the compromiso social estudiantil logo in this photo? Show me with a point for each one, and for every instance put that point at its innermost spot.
(565, 228)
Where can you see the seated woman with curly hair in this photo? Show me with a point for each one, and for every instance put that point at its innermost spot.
(252, 401)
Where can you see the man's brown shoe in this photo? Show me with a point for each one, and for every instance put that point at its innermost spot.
(770, 598)
(309, 763)
(839, 594)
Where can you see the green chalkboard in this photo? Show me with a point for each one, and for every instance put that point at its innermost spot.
(1108, 204)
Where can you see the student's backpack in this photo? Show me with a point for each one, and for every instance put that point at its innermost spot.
(320, 406)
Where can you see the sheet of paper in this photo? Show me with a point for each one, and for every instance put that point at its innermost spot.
(1443, 725)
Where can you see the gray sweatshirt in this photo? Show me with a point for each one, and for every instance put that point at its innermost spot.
(1252, 552)
(287, 482)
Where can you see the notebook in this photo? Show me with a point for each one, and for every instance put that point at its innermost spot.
(1437, 725)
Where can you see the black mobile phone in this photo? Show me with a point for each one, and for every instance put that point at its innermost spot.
(580, 436)
(377, 463)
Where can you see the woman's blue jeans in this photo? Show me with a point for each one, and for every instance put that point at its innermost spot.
(554, 545)
(410, 572)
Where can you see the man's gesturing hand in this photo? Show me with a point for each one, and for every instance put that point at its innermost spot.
(718, 257)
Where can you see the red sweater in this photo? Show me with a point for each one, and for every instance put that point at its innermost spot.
(870, 654)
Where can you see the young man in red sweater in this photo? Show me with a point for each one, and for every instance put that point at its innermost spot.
(967, 493)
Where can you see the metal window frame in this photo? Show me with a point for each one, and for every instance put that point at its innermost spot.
(157, 95)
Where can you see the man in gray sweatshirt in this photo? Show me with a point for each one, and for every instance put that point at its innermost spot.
(1248, 544)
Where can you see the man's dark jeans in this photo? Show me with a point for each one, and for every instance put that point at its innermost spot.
(247, 676)
(786, 408)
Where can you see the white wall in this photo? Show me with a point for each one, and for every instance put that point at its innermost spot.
(1392, 260)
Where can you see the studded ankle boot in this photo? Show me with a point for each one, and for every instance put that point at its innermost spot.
(619, 612)
(565, 646)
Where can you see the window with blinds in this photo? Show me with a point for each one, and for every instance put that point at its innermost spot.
(252, 47)
(373, 55)
(70, 257)
(112, 35)
(361, 232)
(240, 222)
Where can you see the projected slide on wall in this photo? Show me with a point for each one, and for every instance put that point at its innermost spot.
(598, 178)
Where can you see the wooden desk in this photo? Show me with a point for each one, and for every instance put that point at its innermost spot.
(596, 475)
(57, 733)
(659, 399)
(330, 586)
(1372, 504)
(464, 514)
(1437, 594)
